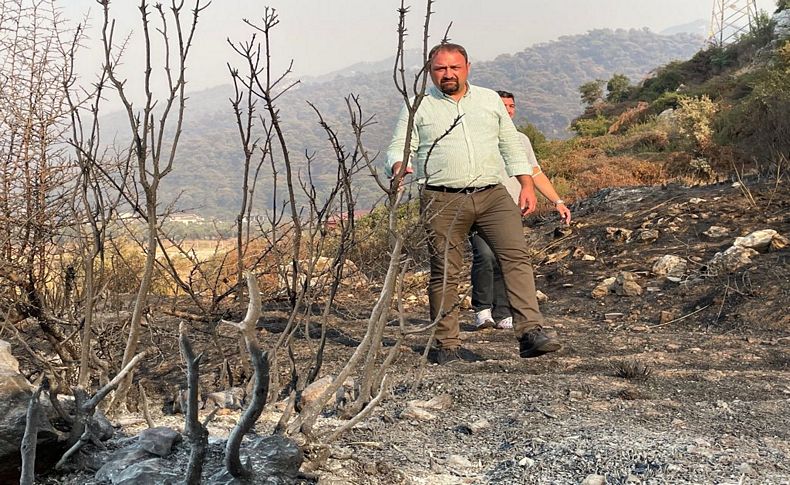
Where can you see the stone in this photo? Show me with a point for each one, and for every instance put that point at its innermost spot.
(158, 441)
(437, 403)
(542, 298)
(232, 398)
(613, 316)
(715, 232)
(479, 425)
(154, 471)
(782, 24)
(646, 235)
(604, 288)
(594, 480)
(120, 461)
(8, 362)
(670, 265)
(618, 234)
(15, 394)
(315, 390)
(758, 240)
(416, 413)
(748, 470)
(276, 457)
(626, 285)
(101, 426)
(458, 462)
(696, 200)
(779, 242)
(734, 258)
(526, 462)
(666, 316)
(588, 257)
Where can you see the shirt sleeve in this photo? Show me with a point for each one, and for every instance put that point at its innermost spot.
(395, 149)
(510, 146)
(531, 158)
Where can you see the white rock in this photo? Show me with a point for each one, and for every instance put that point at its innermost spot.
(8, 362)
(670, 265)
(779, 242)
(732, 259)
(314, 391)
(626, 285)
(604, 287)
(696, 200)
(594, 480)
(479, 425)
(716, 231)
(416, 413)
(458, 461)
(541, 296)
(758, 240)
(526, 462)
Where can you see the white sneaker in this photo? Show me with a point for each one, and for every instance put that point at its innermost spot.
(483, 319)
(505, 323)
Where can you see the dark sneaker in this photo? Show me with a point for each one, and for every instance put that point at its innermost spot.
(445, 356)
(536, 343)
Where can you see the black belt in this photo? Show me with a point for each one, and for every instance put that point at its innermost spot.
(457, 190)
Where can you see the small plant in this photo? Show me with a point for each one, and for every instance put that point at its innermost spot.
(597, 126)
(695, 117)
(631, 369)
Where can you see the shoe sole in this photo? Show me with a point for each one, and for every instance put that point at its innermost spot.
(546, 348)
(485, 325)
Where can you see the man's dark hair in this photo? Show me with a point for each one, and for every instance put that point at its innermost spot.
(506, 94)
(447, 46)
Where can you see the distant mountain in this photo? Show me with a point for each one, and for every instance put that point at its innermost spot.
(412, 60)
(697, 27)
(544, 78)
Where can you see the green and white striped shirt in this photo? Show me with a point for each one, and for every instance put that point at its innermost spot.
(473, 153)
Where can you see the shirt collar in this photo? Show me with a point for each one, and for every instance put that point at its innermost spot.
(437, 93)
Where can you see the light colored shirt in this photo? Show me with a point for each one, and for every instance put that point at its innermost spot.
(473, 153)
(512, 185)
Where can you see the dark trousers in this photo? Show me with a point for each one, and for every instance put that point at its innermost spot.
(488, 284)
(448, 218)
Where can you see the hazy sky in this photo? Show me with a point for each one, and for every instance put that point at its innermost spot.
(325, 35)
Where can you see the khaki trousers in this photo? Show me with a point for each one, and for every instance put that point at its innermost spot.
(448, 217)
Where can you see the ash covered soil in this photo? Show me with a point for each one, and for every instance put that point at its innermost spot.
(687, 382)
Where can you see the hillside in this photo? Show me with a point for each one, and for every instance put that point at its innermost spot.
(710, 405)
(544, 78)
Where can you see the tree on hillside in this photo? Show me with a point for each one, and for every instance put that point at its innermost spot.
(618, 88)
(153, 151)
(591, 92)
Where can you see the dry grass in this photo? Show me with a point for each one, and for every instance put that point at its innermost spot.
(631, 369)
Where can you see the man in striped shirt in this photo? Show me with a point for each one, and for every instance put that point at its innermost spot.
(461, 136)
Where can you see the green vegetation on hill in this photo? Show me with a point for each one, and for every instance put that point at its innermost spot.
(699, 119)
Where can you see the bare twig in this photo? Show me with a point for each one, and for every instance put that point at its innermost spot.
(144, 400)
(679, 318)
(28, 446)
(195, 431)
(260, 363)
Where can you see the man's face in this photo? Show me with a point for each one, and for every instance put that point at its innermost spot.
(510, 106)
(449, 71)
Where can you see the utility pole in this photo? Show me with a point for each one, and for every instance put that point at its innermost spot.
(730, 19)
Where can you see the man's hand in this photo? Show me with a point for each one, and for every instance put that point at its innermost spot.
(565, 213)
(527, 200)
(396, 170)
